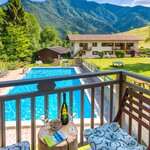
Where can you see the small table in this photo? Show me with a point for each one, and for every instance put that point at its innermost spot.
(118, 64)
(70, 144)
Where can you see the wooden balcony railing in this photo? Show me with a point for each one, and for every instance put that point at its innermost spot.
(107, 94)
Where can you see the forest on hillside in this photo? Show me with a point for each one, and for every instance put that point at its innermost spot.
(21, 35)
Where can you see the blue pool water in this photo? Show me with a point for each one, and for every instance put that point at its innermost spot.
(10, 106)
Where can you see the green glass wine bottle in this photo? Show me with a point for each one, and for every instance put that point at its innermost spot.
(64, 111)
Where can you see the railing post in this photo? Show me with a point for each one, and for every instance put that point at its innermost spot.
(2, 125)
(120, 90)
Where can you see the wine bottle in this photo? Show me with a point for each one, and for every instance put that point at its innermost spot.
(64, 111)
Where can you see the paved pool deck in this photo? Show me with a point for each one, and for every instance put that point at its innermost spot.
(12, 75)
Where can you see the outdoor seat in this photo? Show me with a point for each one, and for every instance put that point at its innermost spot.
(18, 146)
(24, 70)
(1, 74)
(117, 64)
(5, 71)
(110, 136)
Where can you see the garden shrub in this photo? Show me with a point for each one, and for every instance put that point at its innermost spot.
(101, 55)
(144, 52)
(119, 53)
(11, 66)
(3, 58)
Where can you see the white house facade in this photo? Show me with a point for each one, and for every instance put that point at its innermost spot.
(89, 46)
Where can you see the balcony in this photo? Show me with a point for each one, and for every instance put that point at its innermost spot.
(104, 94)
(85, 48)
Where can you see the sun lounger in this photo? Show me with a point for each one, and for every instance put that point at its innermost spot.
(5, 71)
(1, 74)
(25, 70)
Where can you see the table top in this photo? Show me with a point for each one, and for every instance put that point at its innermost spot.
(72, 135)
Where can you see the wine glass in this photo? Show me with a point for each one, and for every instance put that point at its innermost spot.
(44, 118)
(72, 114)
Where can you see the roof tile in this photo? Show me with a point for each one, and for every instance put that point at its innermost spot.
(103, 37)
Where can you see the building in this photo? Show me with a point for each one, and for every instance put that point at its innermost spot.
(89, 46)
(48, 55)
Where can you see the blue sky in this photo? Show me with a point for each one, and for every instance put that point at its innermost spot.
(117, 2)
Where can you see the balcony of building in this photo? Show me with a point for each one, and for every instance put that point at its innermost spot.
(104, 91)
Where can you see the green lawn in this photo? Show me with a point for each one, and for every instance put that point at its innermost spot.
(137, 65)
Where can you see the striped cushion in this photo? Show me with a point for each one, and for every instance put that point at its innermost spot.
(18, 146)
(111, 137)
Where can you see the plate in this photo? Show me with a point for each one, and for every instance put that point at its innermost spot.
(55, 124)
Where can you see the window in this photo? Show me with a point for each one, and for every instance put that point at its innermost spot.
(130, 44)
(95, 53)
(94, 44)
(117, 44)
(104, 44)
(107, 44)
(110, 44)
(80, 54)
(83, 44)
(108, 52)
(83, 53)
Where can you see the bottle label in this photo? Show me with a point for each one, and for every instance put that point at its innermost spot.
(64, 113)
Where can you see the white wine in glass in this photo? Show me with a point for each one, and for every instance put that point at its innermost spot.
(44, 118)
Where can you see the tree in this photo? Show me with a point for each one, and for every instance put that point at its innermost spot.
(15, 14)
(34, 31)
(70, 32)
(1, 45)
(65, 44)
(14, 32)
(50, 37)
(1, 19)
(16, 43)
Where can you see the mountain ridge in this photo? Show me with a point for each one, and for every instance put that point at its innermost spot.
(88, 17)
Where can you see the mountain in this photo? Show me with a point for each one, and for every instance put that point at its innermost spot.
(142, 32)
(88, 17)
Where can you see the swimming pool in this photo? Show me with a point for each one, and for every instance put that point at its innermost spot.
(10, 106)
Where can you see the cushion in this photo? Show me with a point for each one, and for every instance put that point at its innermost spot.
(18, 146)
(111, 137)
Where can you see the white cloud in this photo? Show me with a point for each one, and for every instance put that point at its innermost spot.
(130, 3)
(116, 2)
(141, 2)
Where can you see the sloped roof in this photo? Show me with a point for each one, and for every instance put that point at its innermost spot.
(58, 49)
(103, 37)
